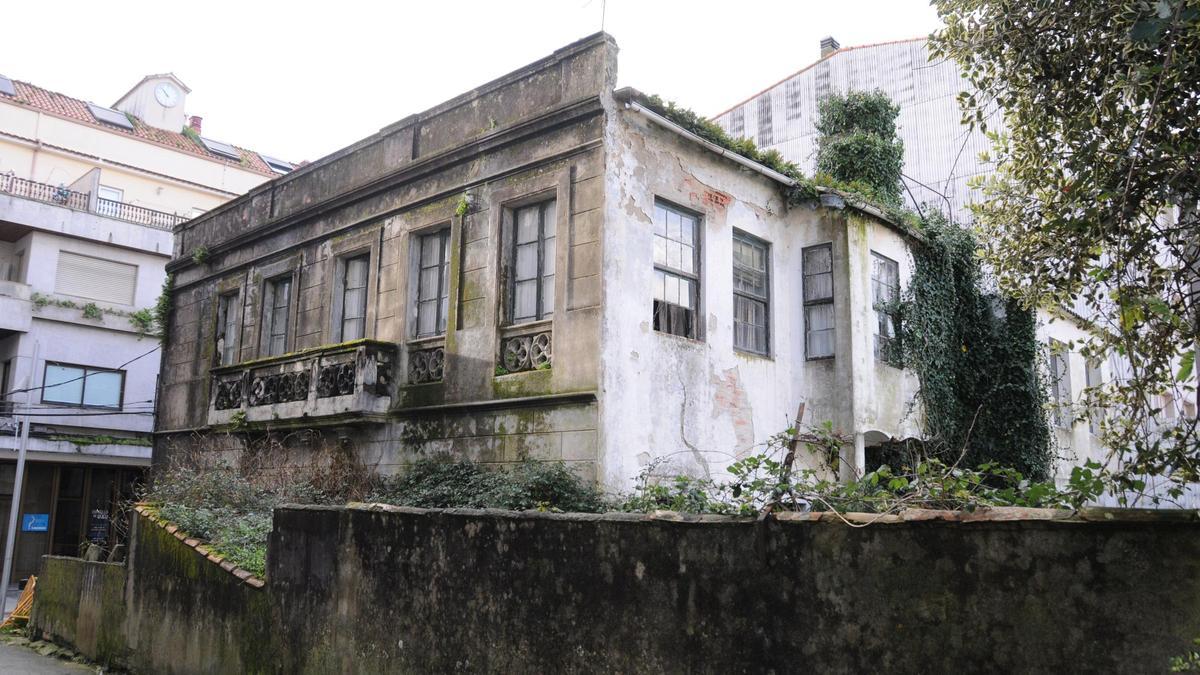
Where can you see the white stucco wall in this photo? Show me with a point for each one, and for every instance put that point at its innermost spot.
(699, 404)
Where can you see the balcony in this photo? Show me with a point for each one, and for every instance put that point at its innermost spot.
(16, 311)
(83, 201)
(351, 380)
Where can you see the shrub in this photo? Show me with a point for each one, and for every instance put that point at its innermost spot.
(528, 485)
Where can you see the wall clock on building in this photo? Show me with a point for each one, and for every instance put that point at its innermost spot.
(167, 95)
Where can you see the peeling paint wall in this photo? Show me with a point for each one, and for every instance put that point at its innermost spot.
(695, 405)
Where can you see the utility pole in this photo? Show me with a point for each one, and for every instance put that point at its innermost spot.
(14, 510)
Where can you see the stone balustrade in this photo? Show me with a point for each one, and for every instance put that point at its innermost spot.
(352, 378)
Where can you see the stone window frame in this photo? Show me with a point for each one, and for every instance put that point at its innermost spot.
(224, 288)
(505, 201)
(432, 348)
(266, 274)
(366, 241)
(807, 304)
(412, 314)
(556, 186)
(765, 298)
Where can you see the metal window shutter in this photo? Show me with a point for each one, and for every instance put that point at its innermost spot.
(94, 278)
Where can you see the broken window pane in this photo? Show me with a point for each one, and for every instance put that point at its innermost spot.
(885, 293)
(676, 287)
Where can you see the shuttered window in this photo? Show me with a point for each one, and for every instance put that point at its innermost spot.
(95, 278)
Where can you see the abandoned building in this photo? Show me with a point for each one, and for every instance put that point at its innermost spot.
(540, 268)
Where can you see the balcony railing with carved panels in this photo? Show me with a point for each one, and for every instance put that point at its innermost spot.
(353, 378)
(528, 347)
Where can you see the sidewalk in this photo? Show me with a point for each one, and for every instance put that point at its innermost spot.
(16, 658)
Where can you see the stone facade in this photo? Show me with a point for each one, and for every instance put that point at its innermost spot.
(447, 345)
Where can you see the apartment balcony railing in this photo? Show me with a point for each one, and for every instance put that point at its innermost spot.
(348, 380)
(44, 193)
(81, 201)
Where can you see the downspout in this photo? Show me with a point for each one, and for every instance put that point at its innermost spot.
(37, 146)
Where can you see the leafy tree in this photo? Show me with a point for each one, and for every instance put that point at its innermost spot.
(858, 144)
(1095, 198)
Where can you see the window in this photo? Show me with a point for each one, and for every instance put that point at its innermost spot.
(532, 272)
(1060, 383)
(737, 122)
(1094, 379)
(751, 294)
(792, 91)
(108, 200)
(676, 271)
(276, 304)
(885, 293)
(351, 302)
(765, 134)
(818, 301)
(433, 283)
(95, 278)
(228, 327)
(82, 386)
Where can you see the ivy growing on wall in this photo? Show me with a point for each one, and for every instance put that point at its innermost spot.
(975, 355)
(858, 144)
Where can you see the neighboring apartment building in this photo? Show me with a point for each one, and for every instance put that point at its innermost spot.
(540, 268)
(89, 196)
(941, 156)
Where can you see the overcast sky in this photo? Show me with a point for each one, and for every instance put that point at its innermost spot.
(299, 80)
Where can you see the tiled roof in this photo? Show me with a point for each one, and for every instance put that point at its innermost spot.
(77, 110)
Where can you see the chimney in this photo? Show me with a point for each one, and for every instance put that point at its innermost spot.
(829, 46)
(194, 122)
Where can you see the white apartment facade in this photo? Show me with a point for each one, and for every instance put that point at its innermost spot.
(89, 198)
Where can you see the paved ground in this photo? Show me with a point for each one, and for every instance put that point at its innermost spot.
(19, 659)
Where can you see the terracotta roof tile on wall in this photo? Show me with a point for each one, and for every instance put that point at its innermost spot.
(77, 110)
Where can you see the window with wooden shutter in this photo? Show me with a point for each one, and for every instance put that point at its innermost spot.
(83, 276)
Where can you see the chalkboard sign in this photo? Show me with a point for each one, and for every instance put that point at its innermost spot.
(98, 526)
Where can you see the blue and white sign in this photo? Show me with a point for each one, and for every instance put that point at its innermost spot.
(35, 522)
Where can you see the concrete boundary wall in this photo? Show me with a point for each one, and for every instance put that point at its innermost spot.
(374, 589)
